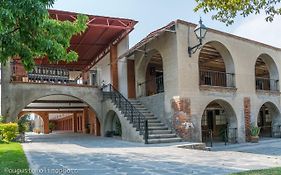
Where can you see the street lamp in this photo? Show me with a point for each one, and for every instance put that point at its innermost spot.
(200, 32)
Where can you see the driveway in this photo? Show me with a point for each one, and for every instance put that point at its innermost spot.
(71, 153)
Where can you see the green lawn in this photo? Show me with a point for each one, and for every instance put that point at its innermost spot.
(12, 159)
(271, 171)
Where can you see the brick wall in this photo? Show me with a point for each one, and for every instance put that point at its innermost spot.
(182, 118)
(247, 115)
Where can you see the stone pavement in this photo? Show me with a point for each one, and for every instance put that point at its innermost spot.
(88, 155)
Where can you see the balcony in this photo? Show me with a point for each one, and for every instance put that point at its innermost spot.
(216, 78)
(46, 75)
(267, 84)
(153, 86)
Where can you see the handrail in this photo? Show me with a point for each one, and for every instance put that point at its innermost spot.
(130, 112)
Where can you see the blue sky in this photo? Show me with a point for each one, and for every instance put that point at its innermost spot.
(153, 14)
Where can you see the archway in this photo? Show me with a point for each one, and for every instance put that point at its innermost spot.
(113, 125)
(32, 122)
(219, 122)
(154, 77)
(65, 113)
(216, 67)
(266, 74)
(269, 120)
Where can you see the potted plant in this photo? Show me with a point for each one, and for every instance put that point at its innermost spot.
(52, 126)
(254, 133)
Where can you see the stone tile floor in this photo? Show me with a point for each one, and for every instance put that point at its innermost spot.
(71, 153)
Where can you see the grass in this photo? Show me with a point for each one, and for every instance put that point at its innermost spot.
(13, 160)
(271, 171)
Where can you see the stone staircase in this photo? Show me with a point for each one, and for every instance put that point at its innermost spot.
(158, 132)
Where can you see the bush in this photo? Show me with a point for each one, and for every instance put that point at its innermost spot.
(8, 131)
(254, 130)
(2, 119)
(23, 125)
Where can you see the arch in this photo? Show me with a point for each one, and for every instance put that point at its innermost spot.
(112, 124)
(151, 73)
(269, 120)
(33, 98)
(219, 118)
(39, 124)
(216, 66)
(86, 120)
(266, 73)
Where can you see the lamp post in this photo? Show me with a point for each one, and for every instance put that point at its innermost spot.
(200, 32)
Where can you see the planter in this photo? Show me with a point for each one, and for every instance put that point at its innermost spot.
(254, 139)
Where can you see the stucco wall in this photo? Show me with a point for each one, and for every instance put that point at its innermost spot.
(155, 104)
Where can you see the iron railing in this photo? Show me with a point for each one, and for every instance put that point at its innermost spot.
(41, 74)
(216, 78)
(267, 84)
(153, 86)
(50, 75)
(207, 137)
(130, 112)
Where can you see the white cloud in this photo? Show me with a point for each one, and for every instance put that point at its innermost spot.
(256, 28)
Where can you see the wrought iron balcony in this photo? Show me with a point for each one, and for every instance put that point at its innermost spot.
(216, 78)
(267, 84)
(153, 86)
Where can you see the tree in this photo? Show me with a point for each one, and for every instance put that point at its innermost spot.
(227, 10)
(27, 32)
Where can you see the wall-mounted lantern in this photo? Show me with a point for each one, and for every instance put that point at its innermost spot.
(200, 32)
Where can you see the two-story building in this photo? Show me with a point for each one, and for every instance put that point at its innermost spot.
(227, 85)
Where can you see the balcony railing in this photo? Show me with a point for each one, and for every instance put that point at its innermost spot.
(267, 84)
(41, 74)
(153, 86)
(216, 78)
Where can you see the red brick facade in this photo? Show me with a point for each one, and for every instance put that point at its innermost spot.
(182, 118)
(247, 115)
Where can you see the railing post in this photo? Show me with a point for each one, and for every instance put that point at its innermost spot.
(146, 131)
(211, 137)
(225, 137)
(139, 122)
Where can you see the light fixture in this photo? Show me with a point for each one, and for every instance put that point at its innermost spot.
(200, 32)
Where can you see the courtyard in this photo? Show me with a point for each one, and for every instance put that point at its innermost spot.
(73, 153)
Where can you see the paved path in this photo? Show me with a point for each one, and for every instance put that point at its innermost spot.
(89, 155)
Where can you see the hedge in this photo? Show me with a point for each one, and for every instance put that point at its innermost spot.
(8, 131)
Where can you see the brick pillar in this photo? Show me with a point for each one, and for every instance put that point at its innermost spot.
(247, 116)
(84, 119)
(74, 122)
(114, 66)
(182, 118)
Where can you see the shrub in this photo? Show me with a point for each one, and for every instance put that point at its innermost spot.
(8, 131)
(255, 131)
(52, 126)
(2, 119)
(23, 125)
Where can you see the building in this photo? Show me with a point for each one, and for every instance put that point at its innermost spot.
(220, 90)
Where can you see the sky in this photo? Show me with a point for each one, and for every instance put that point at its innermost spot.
(154, 14)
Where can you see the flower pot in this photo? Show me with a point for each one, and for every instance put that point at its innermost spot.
(254, 139)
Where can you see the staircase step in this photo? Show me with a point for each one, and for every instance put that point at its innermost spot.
(153, 121)
(166, 140)
(158, 128)
(152, 132)
(156, 124)
(158, 136)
